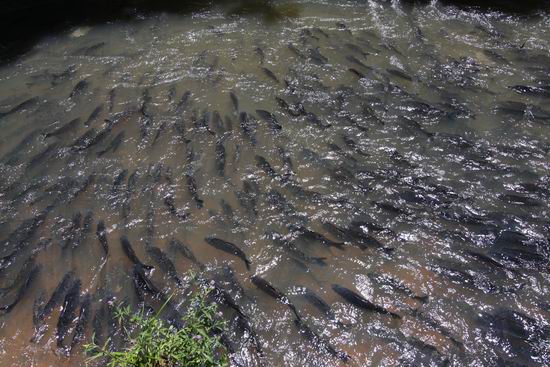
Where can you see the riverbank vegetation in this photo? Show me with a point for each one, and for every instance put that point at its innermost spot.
(152, 342)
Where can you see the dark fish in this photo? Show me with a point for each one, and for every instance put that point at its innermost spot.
(359, 74)
(164, 263)
(21, 276)
(68, 312)
(264, 165)
(234, 101)
(294, 251)
(228, 247)
(192, 187)
(25, 105)
(318, 303)
(269, 289)
(312, 118)
(538, 91)
(305, 233)
(395, 284)
(359, 301)
(248, 125)
(356, 61)
(220, 157)
(111, 99)
(45, 154)
(315, 338)
(119, 179)
(54, 301)
(185, 251)
(356, 49)
(79, 88)
(71, 125)
(130, 253)
(260, 54)
(519, 200)
(31, 276)
(82, 321)
(353, 145)
(184, 101)
(102, 237)
(399, 73)
(316, 56)
(270, 119)
(270, 74)
(170, 204)
(113, 144)
(94, 115)
(295, 51)
(294, 110)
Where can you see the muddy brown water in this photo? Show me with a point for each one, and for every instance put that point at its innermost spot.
(425, 130)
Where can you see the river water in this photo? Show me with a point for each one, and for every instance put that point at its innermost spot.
(399, 152)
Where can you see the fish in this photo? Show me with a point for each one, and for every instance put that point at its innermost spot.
(21, 276)
(68, 311)
(79, 88)
(185, 251)
(295, 51)
(164, 262)
(264, 165)
(228, 247)
(54, 301)
(71, 125)
(270, 119)
(269, 289)
(356, 61)
(113, 144)
(270, 74)
(354, 146)
(119, 179)
(314, 337)
(535, 91)
(248, 125)
(130, 253)
(260, 54)
(318, 303)
(192, 187)
(316, 57)
(312, 118)
(399, 73)
(234, 100)
(170, 204)
(248, 197)
(20, 293)
(82, 321)
(359, 74)
(94, 115)
(304, 233)
(359, 301)
(45, 154)
(294, 251)
(357, 49)
(294, 110)
(395, 284)
(143, 284)
(101, 234)
(23, 106)
(220, 157)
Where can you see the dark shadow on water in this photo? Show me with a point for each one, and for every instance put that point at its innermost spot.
(23, 22)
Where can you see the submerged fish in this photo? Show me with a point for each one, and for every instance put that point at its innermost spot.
(130, 253)
(361, 302)
(228, 247)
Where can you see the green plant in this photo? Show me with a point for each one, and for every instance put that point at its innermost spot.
(153, 343)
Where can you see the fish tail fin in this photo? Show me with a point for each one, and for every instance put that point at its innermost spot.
(247, 262)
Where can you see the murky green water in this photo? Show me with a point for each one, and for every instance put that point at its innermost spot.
(400, 153)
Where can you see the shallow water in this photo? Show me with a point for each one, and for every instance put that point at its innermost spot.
(428, 158)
